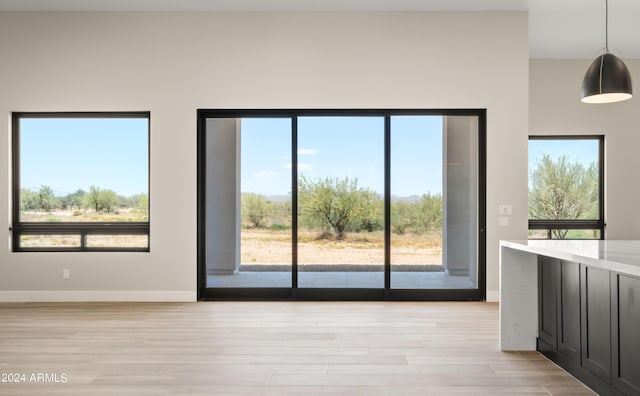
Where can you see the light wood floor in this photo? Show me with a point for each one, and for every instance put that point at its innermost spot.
(268, 348)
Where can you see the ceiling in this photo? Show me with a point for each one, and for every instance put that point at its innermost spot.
(557, 28)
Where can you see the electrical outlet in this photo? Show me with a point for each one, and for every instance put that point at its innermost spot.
(66, 274)
(505, 210)
(503, 221)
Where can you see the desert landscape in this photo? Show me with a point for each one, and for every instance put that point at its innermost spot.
(261, 246)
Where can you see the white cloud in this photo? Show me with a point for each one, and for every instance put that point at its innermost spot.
(301, 166)
(266, 174)
(307, 151)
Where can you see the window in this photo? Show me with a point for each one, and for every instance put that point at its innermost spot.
(344, 204)
(81, 181)
(566, 187)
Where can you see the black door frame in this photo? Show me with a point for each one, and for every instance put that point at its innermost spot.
(295, 293)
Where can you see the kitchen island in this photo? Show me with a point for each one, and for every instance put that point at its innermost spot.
(577, 302)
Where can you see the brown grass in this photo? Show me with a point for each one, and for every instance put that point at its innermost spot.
(64, 216)
(274, 247)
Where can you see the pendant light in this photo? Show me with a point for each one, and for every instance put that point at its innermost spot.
(607, 80)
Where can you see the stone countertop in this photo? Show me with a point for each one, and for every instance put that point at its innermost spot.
(615, 255)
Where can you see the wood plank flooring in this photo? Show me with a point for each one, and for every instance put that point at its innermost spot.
(267, 348)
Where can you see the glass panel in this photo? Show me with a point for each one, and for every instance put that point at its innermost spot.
(84, 169)
(564, 179)
(50, 241)
(341, 202)
(434, 207)
(117, 241)
(249, 236)
(564, 234)
(538, 234)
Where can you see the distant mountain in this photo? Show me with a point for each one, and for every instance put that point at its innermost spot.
(394, 198)
(278, 198)
(409, 199)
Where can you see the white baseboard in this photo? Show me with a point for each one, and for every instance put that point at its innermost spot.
(98, 296)
(493, 296)
(123, 296)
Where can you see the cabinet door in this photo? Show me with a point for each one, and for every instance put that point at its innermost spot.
(569, 310)
(548, 300)
(596, 322)
(625, 331)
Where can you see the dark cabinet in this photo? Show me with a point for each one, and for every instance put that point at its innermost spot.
(569, 341)
(596, 322)
(589, 324)
(626, 333)
(548, 274)
(559, 306)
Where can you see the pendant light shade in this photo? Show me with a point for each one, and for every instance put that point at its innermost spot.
(607, 80)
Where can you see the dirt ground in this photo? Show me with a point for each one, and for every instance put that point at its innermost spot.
(81, 216)
(274, 247)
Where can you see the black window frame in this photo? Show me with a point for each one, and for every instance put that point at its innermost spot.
(82, 229)
(577, 224)
(295, 292)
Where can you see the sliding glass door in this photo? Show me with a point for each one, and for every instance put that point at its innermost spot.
(327, 204)
(434, 202)
(248, 203)
(340, 202)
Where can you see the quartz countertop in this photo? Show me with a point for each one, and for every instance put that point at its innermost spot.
(615, 255)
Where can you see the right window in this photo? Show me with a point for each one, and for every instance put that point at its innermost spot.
(566, 187)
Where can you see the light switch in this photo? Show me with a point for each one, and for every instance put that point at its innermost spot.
(505, 210)
(503, 221)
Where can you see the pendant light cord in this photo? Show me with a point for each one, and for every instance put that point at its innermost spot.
(606, 26)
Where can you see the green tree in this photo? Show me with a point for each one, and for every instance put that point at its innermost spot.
(369, 213)
(73, 200)
(430, 213)
(336, 205)
(419, 216)
(100, 200)
(255, 209)
(403, 217)
(46, 199)
(28, 200)
(108, 200)
(142, 206)
(92, 198)
(563, 190)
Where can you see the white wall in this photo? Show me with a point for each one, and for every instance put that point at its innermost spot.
(555, 108)
(175, 63)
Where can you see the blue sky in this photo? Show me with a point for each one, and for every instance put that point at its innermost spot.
(583, 151)
(343, 146)
(74, 153)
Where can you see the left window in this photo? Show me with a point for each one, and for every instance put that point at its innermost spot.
(80, 181)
